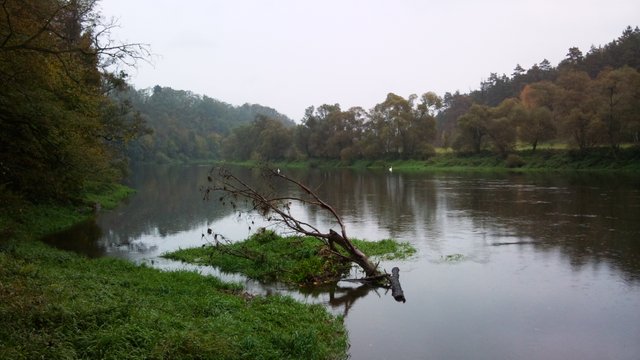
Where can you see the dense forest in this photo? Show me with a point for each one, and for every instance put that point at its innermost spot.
(61, 130)
(586, 101)
(187, 126)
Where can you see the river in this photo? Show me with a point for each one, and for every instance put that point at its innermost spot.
(509, 266)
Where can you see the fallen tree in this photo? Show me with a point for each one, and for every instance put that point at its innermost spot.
(275, 205)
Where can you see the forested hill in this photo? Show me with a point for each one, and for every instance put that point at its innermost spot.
(184, 125)
(620, 52)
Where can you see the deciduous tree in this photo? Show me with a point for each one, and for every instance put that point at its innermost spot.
(535, 117)
(618, 94)
(576, 109)
(473, 129)
(57, 126)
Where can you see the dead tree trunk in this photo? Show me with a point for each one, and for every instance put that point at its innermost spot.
(396, 289)
(355, 255)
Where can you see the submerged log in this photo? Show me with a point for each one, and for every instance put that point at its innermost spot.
(396, 289)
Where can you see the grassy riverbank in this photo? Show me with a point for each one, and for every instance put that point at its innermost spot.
(55, 304)
(627, 160)
(294, 260)
(549, 159)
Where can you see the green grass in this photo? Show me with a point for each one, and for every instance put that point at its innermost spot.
(550, 158)
(54, 304)
(20, 219)
(547, 157)
(293, 260)
(107, 195)
(58, 305)
(386, 249)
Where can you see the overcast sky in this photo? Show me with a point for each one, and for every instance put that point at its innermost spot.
(291, 54)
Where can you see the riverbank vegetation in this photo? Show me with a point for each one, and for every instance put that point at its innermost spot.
(55, 304)
(600, 159)
(61, 129)
(297, 260)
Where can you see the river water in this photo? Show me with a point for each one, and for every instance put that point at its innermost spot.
(509, 266)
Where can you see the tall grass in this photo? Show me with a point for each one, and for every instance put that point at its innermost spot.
(54, 304)
(58, 305)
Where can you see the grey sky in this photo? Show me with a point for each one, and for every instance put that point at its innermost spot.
(293, 54)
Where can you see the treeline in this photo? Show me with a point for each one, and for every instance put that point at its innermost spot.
(574, 109)
(397, 127)
(187, 126)
(60, 130)
(585, 101)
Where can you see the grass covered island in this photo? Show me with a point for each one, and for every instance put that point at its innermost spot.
(58, 305)
(299, 260)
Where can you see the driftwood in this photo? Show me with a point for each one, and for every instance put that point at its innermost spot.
(396, 289)
(393, 279)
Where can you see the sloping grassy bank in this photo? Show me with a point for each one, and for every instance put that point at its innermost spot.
(58, 305)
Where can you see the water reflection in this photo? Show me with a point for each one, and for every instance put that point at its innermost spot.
(81, 238)
(168, 201)
(547, 266)
(589, 218)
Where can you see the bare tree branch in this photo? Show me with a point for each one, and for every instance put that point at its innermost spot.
(109, 51)
(277, 207)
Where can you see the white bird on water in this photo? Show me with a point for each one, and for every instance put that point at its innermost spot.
(390, 169)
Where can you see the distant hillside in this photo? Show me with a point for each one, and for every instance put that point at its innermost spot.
(187, 126)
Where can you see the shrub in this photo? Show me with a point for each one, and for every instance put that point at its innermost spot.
(514, 161)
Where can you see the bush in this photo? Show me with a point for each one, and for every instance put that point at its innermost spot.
(426, 151)
(514, 161)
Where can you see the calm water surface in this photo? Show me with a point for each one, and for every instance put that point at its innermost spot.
(509, 266)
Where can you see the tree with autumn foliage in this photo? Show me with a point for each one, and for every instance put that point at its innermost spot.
(472, 129)
(535, 117)
(402, 128)
(59, 130)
